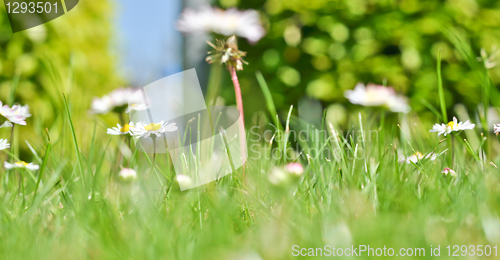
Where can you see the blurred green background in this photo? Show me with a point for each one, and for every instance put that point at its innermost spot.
(315, 48)
(320, 48)
(69, 55)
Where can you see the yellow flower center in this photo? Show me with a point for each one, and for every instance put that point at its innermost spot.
(125, 128)
(419, 155)
(152, 127)
(22, 163)
(452, 124)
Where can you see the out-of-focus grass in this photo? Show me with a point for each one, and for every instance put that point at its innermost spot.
(354, 193)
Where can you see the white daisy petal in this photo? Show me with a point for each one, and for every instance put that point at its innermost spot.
(452, 126)
(141, 130)
(8, 165)
(21, 165)
(17, 114)
(121, 130)
(377, 96)
(496, 127)
(4, 144)
(6, 124)
(117, 98)
(226, 22)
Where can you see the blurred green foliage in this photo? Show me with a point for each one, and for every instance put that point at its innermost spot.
(323, 47)
(69, 55)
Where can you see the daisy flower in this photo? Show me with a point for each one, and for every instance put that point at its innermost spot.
(450, 171)
(207, 19)
(141, 130)
(21, 164)
(489, 61)
(118, 99)
(23, 111)
(127, 174)
(377, 96)
(120, 130)
(417, 157)
(4, 144)
(17, 114)
(452, 126)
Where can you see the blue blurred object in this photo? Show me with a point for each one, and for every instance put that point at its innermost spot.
(148, 45)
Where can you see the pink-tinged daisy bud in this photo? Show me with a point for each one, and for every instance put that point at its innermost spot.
(448, 170)
(17, 114)
(295, 169)
(496, 127)
(127, 174)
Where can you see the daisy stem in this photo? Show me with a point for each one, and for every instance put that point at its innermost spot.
(239, 104)
(237, 90)
(453, 151)
(122, 119)
(153, 137)
(11, 139)
(123, 122)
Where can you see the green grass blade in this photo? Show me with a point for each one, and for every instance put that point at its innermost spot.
(44, 165)
(269, 99)
(15, 83)
(75, 142)
(440, 88)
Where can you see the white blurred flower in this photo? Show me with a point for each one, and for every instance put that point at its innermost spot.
(496, 127)
(127, 174)
(136, 107)
(278, 176)
(452, 126)
(117, 99)
(23, 111)
(489, 61)
(144, 131)
(450, 171)
(417, 157)
(185, 182)
(17, 114)
(21, 164)
(4, 144)
(377, 96)
(6, 124)
(120, 130)
(225, 22)
(491, 227)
